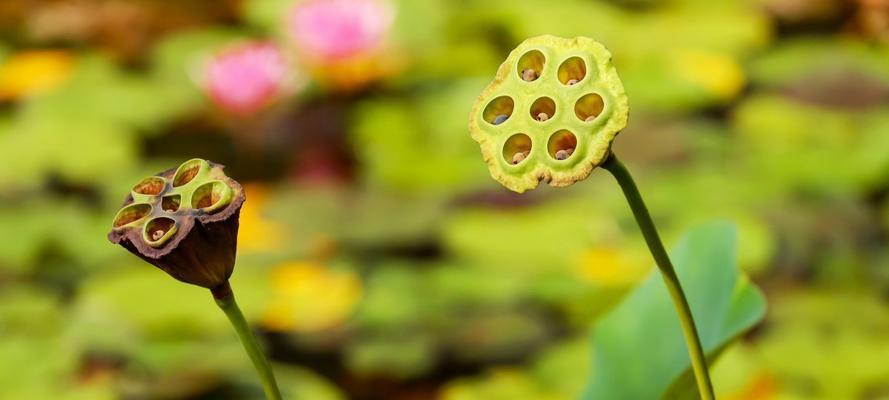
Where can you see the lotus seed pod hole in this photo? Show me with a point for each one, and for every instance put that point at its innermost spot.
(530, 66)
(186, 172)
(589, 107)
(561, 145)
(131, 213)
(543, 109)
(156, 229)
(572, 71)
(171, 203)
(211, 196)
(517, 148)
(151, 186)
(498, 110)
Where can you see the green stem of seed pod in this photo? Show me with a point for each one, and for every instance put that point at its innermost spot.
(643, 219)
(225, 299)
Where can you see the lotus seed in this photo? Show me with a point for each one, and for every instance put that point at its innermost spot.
(542, 117)
(590, 118)
(562, 154)
(519, 157)
(572, 82)
(157, 235)
(529, 75)
(500, 119)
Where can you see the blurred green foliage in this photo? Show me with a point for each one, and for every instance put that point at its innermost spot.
(378, 259)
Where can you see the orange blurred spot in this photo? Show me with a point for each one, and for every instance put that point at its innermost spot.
(355, 73)
(31, 72)
(761, 387)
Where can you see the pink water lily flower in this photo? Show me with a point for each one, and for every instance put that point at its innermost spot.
(333, 30)
(245, 78)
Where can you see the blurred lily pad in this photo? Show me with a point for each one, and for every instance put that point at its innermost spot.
(421, 144)
(144, 300)
(509, 240)
(78, 150)
(828, 344)
(361, 219)
(101, 92)
(27, 310)
(31, 229)
(295, 383)
(805, 60)
(397, 356)
(787, 143)
(557, 374)
(502, 384)
(384, 308)
(45, 368)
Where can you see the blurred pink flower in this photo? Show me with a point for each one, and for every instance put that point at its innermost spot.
(339, 29)
(245, 78)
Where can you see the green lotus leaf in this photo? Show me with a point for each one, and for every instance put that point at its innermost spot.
(639, 352)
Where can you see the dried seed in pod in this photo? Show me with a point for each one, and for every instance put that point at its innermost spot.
(572, 82)
(542, 117)
(562, 154)
(519, 157)
(570, 150)
(157, 235)
(529, 75)
(590, 118)
(500, 119)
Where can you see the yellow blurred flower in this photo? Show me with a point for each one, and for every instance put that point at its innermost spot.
(610, 267)
(718, 74)
(256, 232)
(308, 297)
(32, 72)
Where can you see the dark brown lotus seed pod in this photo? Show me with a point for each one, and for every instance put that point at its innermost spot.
(184, 221)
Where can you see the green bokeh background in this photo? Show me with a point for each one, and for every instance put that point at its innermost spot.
(378, 258)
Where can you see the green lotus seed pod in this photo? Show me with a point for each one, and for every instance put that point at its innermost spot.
(564, 104)
(184, 221)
